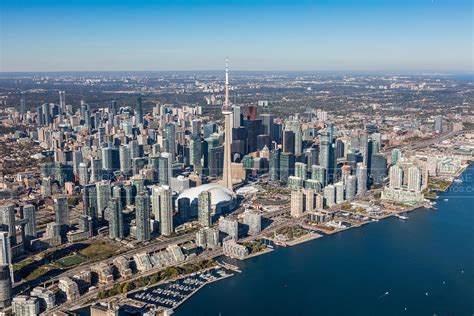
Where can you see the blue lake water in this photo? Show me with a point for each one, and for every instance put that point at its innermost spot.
(426, 264)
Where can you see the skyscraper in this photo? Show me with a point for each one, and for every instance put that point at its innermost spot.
(134, 148)
(396, 155)
(62, 101)
(116, 227)
(288, 142)
(165, 171)
(204, 208)
(378, 169)
(184, 209)
(83, 172)
(351, 187)
(29, 214)
(7, 221)
(297, 203)
(110, 159)
(339, 192)
(103, 195)
(113, 107)
(274, 165)
(89, 200)
(5, 286)
(142, 216)
(61, 210)
(330, 195)
(216, 161)
(267, 122)
(22, 105)
(319, 173)
(5, 249)
(77, 158)
(294, 126)
(139, 111)
(166, 211)
(195, 151)
(253, 220)
(300, 170)
(361, 174)
(6, 267)
(414, 179)
(438, 124)
(237, 116)
(325, 156)
(125, 160)
(227, 112)
(170, 136)
(155, 201)
(287, 166)
(396, 177)
(96, 170)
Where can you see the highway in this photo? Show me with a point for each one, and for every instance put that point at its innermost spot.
(428, 142)
(85, 299)
(154, 246)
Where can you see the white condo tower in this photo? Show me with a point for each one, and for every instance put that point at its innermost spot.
(228, 122)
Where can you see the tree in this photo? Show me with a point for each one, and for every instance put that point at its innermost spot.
(126, 287)
(154, 279)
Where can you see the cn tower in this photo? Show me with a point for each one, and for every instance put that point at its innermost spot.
(227, 112)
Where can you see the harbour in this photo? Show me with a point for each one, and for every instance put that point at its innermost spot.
(172, 294)
(429, 269)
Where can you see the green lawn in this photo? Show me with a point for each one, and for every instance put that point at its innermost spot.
(99, 251)
(23, 263)
(40, 272)
(71, 261)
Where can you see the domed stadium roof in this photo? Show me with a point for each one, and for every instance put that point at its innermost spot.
(219, 193)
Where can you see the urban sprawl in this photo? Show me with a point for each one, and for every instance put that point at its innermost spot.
(130, 192)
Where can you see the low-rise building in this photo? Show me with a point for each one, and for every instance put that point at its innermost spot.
(70, 288)
(24, 305)
(123, 266)
(46, 298)
(233, 249)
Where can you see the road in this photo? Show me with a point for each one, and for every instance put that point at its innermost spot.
(429, 142)
(84, 299)
(154, 246)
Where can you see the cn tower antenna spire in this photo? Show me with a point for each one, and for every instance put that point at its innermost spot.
(226, 102)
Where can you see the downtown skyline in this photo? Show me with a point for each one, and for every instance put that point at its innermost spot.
(397, 36)
(148, 151)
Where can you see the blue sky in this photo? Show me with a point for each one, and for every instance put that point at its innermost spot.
(391, 35)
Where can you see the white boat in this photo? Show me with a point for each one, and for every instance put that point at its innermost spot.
(446, 200)
(402, 217)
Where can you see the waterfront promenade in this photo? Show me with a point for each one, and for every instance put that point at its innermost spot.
(424, 263)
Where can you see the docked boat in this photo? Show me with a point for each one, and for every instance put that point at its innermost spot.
(446, 200)
(402, 217)
(457, 180)
(280, 243)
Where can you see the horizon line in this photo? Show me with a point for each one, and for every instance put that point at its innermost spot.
(431, 71)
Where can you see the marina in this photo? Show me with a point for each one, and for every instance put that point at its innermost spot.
(172, 294)
(325, 260)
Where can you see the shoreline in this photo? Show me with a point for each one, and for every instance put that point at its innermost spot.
(263, 252)
(312, 235)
